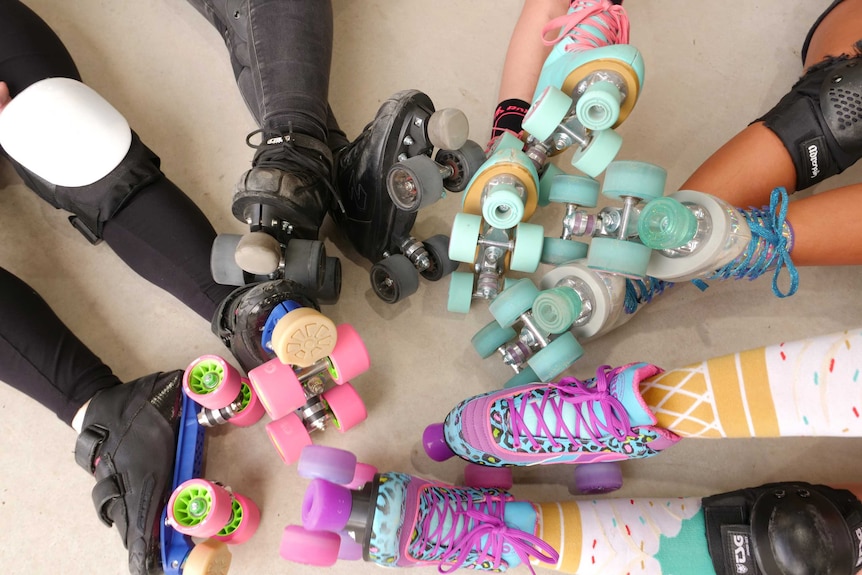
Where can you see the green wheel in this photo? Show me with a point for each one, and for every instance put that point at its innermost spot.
(464, 237)
(527, 253)
(601, 151)
(598, 108)
(514, 301)
(665, 223)
(503, 208)
(557, 251)
(546, 113)
(545, 182)
(556, 309)
(524, 377)
(572, 189)
(460, 292)
(488, 339)
(553, 360)
(619, 256)
(634, 179)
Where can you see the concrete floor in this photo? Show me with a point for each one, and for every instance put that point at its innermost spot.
(711, 68)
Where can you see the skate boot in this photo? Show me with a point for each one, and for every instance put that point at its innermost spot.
(387, 174)
(406, 521)
(128, 442)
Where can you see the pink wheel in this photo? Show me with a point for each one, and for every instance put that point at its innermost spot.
(277, 387)
(346, 406)
(252, 409)
(350, 357)
(288, 435)
(199, 508)
(330, 463)
(319, 548)
(364, 474)
(482, 476)
(244, 522)
(212, 382)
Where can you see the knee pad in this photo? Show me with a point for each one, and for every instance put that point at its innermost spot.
(76, 151)
(784, 529)
(820, 120)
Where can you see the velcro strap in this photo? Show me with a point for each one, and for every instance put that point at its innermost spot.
(87, 445)
(106, 491)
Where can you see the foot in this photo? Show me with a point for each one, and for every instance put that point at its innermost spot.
(128, 442)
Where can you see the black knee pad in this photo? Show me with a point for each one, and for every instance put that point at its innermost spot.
(820, 120)
(96, 203)
(784, 529)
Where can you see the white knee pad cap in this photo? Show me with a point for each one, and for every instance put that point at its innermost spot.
(64, 132)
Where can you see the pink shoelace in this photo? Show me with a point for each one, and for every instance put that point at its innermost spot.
(610, 18)
(469, 522)
(578, 393)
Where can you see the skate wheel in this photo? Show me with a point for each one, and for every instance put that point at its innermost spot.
(289, 436)
(598, 477)
(438, 250)
(557, 251)
(305, 263)
(331, 289)
(434, 442)
(347, 408)
(223, 264)
(484, 477)
(514, 301)
(414, 183)
(350, 550)
(527, 253)
(490, 338)
(277, 387)
(303, 337)
(448, 129)
(598, 108)
(524, 377)
(666, 223)
(460, 292)
(551, 361)
(633, 179)
(603, 147)
(199, 508)
(364, 474)
(547, 113)
(572, 189)
(465, 237)
(326, 506)
(318, 548)
(321, 462)
(394, 278)
(210, 557)
(464, 162)
(243, 523)
(622, 257)
(251, 410)
(503, 207)
(350, 356)
(258, 253)
(545, 182)
(555, 310)
(212, 382)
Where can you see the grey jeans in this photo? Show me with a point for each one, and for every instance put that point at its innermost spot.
(281, 51)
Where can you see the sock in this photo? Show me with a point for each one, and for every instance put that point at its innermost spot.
(508, 117)
(78, 420)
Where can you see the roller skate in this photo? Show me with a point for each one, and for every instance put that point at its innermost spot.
(394, 153)
(578, 422)
(283, 199)
(399, 520)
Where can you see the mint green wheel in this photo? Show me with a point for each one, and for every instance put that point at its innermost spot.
(628, 178)
(556, 309)
(665, 223)
(527, 253)
(601, 151)
(460, 292)
(488, 339)
(513, 301)
(551, 361)
(503, 208)
(619, 257)
(524, 377)
(465, 237)
(557, 251)
(598, 108)
(546, 181)
(547, 113)
(573, 189)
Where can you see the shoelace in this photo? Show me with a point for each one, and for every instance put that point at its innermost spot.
(469, 521)
(611, 19)
(770, 247)
(642, 291)
(578, 393)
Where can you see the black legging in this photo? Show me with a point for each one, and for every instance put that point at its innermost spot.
(160, 233)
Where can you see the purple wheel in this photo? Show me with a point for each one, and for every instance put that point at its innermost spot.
(598, 477)
(252, 409)
(485, 477)
(322, 462)
(243, 523)
(350, 550)
(318, 548)
(326, 506)
(364, 474)
(435, 444)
